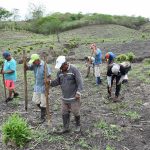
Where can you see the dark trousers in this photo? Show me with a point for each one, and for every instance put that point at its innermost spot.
(118, 87)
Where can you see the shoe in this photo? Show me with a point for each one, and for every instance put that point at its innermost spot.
(78, 127)
(124, 81)
(16, 94)
(116, 99)
(8, 99)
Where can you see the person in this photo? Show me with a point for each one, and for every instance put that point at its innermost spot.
(116, 71)
(37, 65)
(70, 80)
(89, 64)
(98, 60)
(10, 75)
(110, 57)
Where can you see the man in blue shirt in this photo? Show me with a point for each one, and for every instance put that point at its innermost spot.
(37, 65)
(9, 71)
(110, 57)
(98, 60)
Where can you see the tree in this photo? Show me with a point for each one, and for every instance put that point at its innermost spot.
(36, 11)
(15, 14)
(4, 14)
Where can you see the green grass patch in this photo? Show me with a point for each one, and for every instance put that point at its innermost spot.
(110, 131)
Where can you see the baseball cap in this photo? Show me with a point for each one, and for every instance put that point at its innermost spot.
(115, 69)
(33, 58)
(59, 61)
(107, 56)
(6, 54)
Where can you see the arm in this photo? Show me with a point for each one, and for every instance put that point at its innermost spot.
(55, 82)
(109, 81)
(11, 70)
(79, 82)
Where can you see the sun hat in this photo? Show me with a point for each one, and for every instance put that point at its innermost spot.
(33, 58)
(59, 61)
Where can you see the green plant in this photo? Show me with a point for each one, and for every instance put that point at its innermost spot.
(65, 50)
(130, 56)
(83, 143)
(31, 48)
(110, 131)
(16, 131)
(122, 57)
(108, 147)
(132, 115)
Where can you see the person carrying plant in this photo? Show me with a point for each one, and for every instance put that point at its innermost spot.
(89, 64)
(37, 65)
(10, 75)
(118, 72)
(70, 81)
(98, 60)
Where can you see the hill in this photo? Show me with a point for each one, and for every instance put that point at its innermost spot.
(105, 125)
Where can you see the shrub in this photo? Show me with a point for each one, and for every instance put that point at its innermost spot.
(122, 57)
(126, 57)
(130, 56)
(31, 48)
(16, 131)
(65, 50)
(1, 62)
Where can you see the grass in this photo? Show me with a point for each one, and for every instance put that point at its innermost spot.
(110, 131)
(133, 115)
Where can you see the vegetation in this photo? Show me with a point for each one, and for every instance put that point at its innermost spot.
(58, 22)
(16, 131)
(126, 57)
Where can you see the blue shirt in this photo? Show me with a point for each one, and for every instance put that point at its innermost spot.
(98, 57)
(10, 65)
(112, 56)
(39, 85)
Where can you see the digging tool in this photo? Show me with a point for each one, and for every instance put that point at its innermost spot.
(4, 81)
(25, 80)
(46, 88)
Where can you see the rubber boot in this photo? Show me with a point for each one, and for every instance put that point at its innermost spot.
(38, 105)
(78, 127)
(98, 80)
(43, 114)
(66, 122)
(16, 94)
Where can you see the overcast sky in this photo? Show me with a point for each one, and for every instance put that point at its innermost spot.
(112, 7)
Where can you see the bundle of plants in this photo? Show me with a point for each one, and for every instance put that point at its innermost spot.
(16, 131)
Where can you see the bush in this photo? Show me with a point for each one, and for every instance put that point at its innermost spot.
(126, 57)
(130, 56)
(16, 131)
(122, 57)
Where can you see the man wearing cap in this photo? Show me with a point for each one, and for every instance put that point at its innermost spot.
(98, 60)
(37, 65)
(110, 57)
(118, 72)
(9, 71)
(70, 81)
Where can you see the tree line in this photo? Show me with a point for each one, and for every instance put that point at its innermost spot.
(59, 22)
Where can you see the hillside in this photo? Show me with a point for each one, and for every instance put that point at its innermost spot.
(105, 125)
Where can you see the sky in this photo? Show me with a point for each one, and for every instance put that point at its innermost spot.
(112, 7)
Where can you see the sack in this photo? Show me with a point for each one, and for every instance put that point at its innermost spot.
(126, 65)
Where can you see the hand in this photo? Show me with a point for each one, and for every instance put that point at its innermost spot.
(47, 81)
(77, 96)
(2, 72)
(26, 66)
(109, 89)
